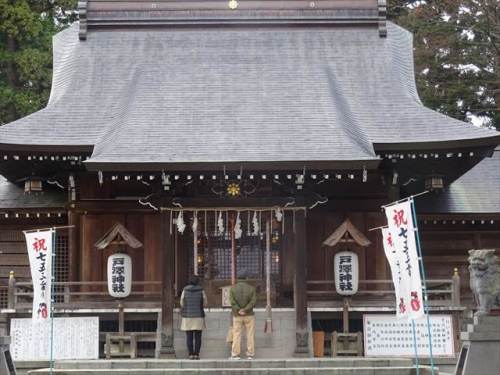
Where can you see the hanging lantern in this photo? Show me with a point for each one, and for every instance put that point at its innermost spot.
(346, 273)
(33, 185)
(434, 182)
(119, 275)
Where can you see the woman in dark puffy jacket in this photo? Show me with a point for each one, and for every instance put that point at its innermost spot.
(193, 300)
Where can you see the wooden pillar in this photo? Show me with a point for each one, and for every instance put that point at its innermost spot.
(287, 256)
(74, 246)
(166, 329)
(300, 286)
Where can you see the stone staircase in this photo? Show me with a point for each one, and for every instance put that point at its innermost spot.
(302, 366)
(484, 328)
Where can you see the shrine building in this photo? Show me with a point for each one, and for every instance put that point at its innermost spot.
(199, 136)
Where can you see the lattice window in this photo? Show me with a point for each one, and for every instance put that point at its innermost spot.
(3, 297)
(214, 249)
(61, 266)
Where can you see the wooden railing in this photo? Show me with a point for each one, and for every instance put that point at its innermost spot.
(78, 293)
(4, 292)
(445, 292)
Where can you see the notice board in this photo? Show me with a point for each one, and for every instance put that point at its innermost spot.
(74, 338)
(387, 336)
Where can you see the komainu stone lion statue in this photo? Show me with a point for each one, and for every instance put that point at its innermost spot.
(484, 279)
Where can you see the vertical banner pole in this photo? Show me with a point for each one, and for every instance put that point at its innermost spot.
(424, 281)
(415, 346)
(53, 301)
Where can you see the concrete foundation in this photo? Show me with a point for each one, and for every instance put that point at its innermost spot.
(278, 344)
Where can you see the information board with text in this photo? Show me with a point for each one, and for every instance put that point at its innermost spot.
(386, 335)
(74, 338)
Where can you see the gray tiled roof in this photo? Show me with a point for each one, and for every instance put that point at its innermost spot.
(217, 94)
(477, 191)
(12, 197)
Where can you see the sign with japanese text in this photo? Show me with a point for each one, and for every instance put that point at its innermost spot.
(119, 275)
(226, 302)
(401, 248)
(74, 338)
(39, 245)
(387, 336)
(346, 273)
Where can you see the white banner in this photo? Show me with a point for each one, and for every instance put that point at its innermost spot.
(39, 245)
(399, 239)
(386, 336)
(394, 264)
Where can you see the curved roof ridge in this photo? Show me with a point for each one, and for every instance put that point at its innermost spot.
(346, 115)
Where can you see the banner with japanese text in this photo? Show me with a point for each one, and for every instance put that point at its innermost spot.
(401, 244)
(39, 245)
(394, 264)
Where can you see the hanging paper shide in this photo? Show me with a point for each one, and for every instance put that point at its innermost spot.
(401, 251)
(39, 246)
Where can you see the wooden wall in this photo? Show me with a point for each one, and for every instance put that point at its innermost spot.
(444, 246)
(13, 254)
(320, 224)
(145, 260)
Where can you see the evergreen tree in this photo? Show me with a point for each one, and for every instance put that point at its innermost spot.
(26, 30)
(457, 55)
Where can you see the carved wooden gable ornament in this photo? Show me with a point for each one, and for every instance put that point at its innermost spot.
(347, 232)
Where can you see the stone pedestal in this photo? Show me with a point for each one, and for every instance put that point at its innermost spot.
(6, 363)
(480, 352)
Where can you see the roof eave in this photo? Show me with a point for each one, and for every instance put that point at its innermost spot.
(11, 147)
(248, 165)
(491, 141)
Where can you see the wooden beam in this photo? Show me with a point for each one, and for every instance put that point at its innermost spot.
(166, 329)
(300, 287)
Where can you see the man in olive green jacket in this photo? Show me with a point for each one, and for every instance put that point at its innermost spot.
(243, 298)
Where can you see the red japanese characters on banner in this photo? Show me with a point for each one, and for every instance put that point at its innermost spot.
(401, 251)
(39, 245)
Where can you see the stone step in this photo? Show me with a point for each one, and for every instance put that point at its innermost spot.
(351, 362)
(482, 328)
(488, 321)
(248, 371)
(480, 336)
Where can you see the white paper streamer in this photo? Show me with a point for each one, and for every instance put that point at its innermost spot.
(255, 223)
(220, 223)
(180, 223)
(237, 227)
(279, 214)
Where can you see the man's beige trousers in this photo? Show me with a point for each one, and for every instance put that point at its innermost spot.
(238, 323)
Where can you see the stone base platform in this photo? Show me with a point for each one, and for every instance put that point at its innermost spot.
(319, 366)
(480, 352)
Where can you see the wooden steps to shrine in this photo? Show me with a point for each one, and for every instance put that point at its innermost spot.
(295, 366)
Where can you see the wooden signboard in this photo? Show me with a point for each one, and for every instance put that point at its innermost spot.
(388, 336)
(74, 338)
